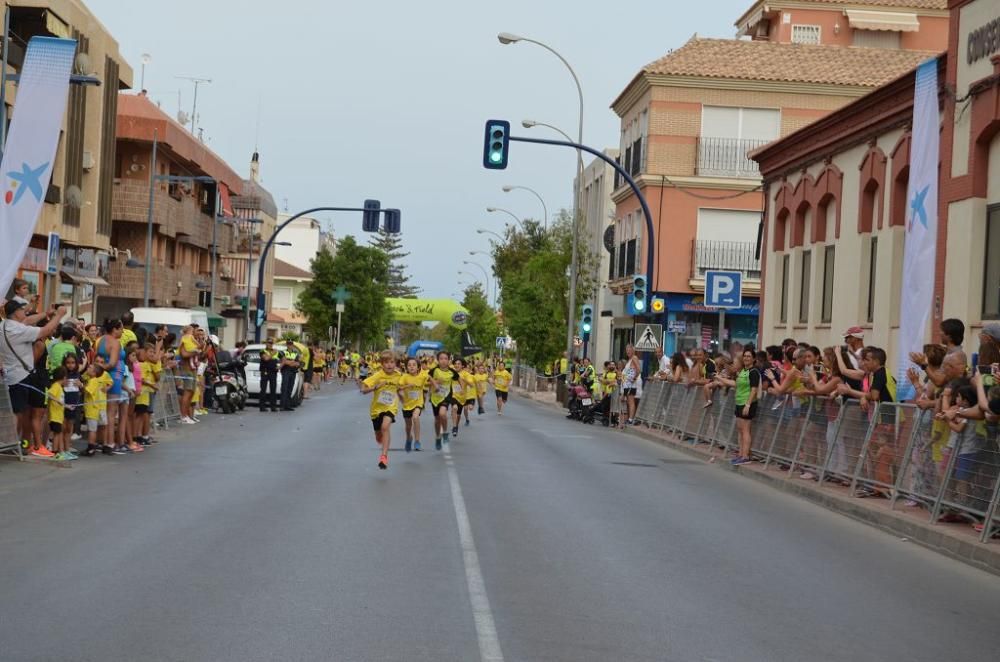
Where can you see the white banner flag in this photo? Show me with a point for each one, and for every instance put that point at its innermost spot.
(921, 224)
(26, 168)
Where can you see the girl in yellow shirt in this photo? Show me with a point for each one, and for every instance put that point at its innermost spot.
(443, 381)
(464, 394)
(411, 391)
(501, 384)
(482, 381)
(385, 385)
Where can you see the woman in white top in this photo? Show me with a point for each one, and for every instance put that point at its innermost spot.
(630, 381)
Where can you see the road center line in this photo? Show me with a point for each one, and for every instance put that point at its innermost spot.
(486, 629)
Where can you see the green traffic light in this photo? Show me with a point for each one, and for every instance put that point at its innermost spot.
(496, 157)
(640, 305)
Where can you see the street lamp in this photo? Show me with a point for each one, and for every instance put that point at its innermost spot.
(493, 210)
(545, 210)
(487, 275)
(483, 231)
(507, 38)
(530, 124)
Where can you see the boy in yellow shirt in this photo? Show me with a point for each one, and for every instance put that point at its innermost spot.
(56, 403)
(412, 386)
(95, 409)
(501, 385)
(482, 379)
(384, 384)
(148, 388)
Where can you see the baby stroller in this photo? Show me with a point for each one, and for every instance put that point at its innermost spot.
(581, 403)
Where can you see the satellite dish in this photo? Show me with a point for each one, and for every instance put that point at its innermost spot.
(182, 118)
(74, 196)
(81, 65)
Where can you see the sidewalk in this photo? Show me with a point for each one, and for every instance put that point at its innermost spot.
(958, 541)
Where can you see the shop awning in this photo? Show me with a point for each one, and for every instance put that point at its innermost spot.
(83, 280)
(882, 20)
(215, 321)
(227, 203)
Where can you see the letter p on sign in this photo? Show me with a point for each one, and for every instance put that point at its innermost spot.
(723, 289)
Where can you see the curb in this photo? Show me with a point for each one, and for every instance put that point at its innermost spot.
(937, 538)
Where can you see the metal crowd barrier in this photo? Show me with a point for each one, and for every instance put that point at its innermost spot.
(167, 407)
(895, 450)
(9, 442)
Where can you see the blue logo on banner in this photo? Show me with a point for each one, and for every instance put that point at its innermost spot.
(30, 179)
(723, 289)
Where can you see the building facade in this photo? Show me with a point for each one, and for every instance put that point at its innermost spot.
(307, 238)
(598, 209)
(189, 180)
(688, 123)
(838, 196)
(78, 201)
(284, 318)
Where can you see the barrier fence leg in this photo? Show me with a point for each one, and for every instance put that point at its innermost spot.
(864, 458)
(832, 439)
(990, 514)
(906, 459)
(777, 431)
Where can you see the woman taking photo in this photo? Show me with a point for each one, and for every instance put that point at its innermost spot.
(747, 383)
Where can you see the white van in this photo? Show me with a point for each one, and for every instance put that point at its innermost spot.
(175, 319)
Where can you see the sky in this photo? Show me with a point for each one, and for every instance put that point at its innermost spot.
(388, 100)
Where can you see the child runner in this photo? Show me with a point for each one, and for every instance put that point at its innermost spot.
(411, 390)
(385, 385)
(501, 384)
(57, 415)
(482, 380)
(441, 379)
(471, 391)
(458, 392)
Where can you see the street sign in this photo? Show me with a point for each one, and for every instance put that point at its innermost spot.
(723, 289)
(341, 307)
(261, 316)
(677, 326)
(341, 294)
(501, 342)
(647, 337)
(52, 266)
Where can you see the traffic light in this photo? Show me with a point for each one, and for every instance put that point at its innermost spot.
(495, 144)
(370, 216)
(587, 320)
(639, 295)
(657, 305)
(392, 221)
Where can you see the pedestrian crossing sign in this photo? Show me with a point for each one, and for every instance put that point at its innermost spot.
(647, 337)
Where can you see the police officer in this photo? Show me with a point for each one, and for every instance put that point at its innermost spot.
(290, 364)
(269, 358)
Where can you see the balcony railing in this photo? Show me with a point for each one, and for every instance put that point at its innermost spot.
(710, 255)
(727, 157)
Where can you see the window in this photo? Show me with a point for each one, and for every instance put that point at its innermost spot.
(829, 258)
(991, 270)
(282, 298)
(878, 38)
(804, 274)
(805, 34)
(783, 316)
(727, 134)
(872, 270)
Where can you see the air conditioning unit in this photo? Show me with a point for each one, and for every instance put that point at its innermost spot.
(88, 160)
(226, 300)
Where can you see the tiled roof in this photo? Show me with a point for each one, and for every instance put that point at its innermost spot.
(792, 63)
(284, 270)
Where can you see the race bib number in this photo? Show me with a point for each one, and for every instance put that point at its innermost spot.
(387, 398)
(443, 391)
(413, 395)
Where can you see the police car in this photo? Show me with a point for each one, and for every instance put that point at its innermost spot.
(252, 357)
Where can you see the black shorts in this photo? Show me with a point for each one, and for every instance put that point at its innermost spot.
(377, 421)
(410, 413)
(308, 376)
(630, 391)
(142, 409)
(56, 428)
(444, 404)
(749, 417)
(502, 395)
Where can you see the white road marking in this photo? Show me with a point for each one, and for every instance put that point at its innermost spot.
(486, 629)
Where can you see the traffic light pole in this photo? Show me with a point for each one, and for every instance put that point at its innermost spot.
(261, 299)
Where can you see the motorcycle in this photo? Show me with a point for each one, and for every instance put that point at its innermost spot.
(581, 403)
(229, 383)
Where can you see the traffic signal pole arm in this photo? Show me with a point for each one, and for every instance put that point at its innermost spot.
(261, 299)
(650, 249)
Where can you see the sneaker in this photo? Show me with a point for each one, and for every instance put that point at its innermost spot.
(383, 461)
(437, 444)
(65, 457)
(807, 475)
(187, 421)
(91, 451)
(42, 452)
(864, 493)
(910, 503)
(467, 421)
(409, 445)
(73, 452)
(454, 431)
(76, 436)
(708, 403)
(416, 446)
(737, 461)
(119, 450)
(135, 448)
(444, 438)
(107, 450)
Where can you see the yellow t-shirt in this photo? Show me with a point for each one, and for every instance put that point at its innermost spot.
(385, 398)
(482, 380)
(91, 394)
(610, 380)
(55, 399)
(444, 378)
(469, 380)
(412, 388)
(320, 360)
(148, 377)
(304, 351)
(128, 335)
(501, 380)
(188, 344)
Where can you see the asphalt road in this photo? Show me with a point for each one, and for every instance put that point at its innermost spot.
(275, 537)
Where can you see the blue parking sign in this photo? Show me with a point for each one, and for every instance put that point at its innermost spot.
(723, 289)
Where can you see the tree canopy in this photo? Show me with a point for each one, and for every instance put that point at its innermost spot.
(483, 325)
(391, 245)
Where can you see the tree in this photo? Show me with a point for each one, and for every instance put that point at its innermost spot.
(532, 268)
(482, 326)
(364, 272)
(391, 245)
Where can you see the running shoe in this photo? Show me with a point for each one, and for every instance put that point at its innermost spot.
(467, 421)
(66, 457)
(736, 461)
(409, 445)
(91, 450)
(454, 431)
(383, 461)
(807, 475)
(76, 436)
(416, 446)
(187, 421)
(437, 444)
(42, 452)
(444, 438)
(119, 450)
(107, 450)
(136, 448)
